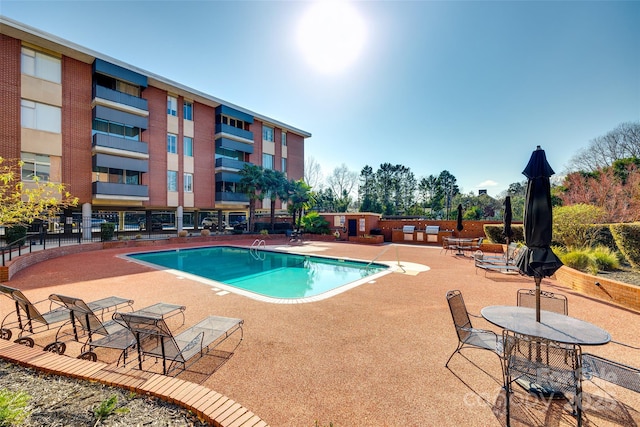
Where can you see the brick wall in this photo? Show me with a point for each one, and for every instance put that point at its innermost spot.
(156, 137)
(608, 290)
(76, 128)
(10, 97)
(204, 185)
(295, 156)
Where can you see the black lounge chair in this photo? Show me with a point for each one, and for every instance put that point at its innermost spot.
(155, 339)
(31, 320)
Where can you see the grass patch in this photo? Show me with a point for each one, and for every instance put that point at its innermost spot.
(13, 407)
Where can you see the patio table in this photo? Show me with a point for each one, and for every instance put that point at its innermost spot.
(552, 326)
(459, 243)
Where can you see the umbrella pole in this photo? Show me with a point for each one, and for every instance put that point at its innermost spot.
(538, 280)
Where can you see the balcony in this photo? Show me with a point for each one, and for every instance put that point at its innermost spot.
(230, 164)
(241, 134)
(120, 97)
(105, 190)
(116, 143)
(232, 197)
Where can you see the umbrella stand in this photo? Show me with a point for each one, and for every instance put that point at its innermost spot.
(538, 280)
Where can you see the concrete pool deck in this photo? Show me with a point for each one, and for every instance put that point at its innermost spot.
(371, 356)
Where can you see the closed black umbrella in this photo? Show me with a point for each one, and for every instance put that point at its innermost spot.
(537, 259)
(460, 227)
(508, 216)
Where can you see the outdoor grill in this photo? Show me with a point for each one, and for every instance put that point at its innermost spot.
(408, 229)
(432, 232)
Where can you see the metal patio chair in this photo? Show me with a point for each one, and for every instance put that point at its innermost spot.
(544, 368)
(549, 301)
(467, 334)
(155, 339)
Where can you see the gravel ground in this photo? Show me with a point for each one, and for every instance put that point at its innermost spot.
(628, 276)
(60, 401)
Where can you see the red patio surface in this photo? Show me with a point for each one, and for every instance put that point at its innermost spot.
(371, 356)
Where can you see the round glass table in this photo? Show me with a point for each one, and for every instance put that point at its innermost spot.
(552, 326)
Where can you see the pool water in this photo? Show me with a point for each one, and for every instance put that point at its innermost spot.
(268, 273)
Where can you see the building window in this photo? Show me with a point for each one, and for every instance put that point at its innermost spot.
(34, 115)
(172, 143)
(172, 181)
(188, 183)
(188, 146)
(267, 133)
(35, 167)
(284, 139)
(267, 161)
(187, 110)
(236, 123)
(41, 65)
(116, 129)
(284, 165)
(172, 106)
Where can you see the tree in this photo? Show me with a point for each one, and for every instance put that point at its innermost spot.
(312, 172)
(448, 187)
(301, 198)
(22, 202)
(274, 184)
(620, 143)
(342, 182)
(251, 183)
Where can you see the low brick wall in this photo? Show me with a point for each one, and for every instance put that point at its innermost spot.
(29, 259)
(600, 287)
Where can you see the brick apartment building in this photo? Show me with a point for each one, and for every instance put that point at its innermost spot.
(134, 147)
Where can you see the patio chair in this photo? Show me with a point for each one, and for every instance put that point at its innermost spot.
(611, 371)
(544, 368)
(448, 246)
(155, 339)
(549, 301)
(30, 320)
(467, 334)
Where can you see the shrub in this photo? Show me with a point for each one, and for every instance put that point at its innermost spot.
(314, 223)
(604, 258)
(579, 260)
(13, 407)
(264, 232)
(600, 235)
(183, 233)
(107, 230)
(627, 238)
(205, 232)
(15, 233)
(571, 224)
(494, 233)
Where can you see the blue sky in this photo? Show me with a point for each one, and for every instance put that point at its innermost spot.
(469, 87)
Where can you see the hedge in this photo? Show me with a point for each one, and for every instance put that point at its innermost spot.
(494, 233)
(627, 238)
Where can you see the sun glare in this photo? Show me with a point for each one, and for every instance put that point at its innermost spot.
(331, 35)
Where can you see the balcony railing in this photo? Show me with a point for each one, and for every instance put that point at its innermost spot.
(231, 130)
(110, 141)
(120, 97)
(120, 190)
(232, 197)
(230, 164)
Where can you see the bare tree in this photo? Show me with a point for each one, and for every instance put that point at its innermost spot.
(621, 143)
(343, 181)
(312, 173)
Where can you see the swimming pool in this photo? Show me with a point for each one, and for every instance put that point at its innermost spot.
(265, 274)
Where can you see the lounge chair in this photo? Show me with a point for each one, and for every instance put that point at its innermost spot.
(30, 320)
(503, 265)
(611, 371)
(155, 339)
(115, 335)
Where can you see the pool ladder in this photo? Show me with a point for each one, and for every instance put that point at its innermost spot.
(254, 250)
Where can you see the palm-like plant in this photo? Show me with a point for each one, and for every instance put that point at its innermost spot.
(252, 183)
(301, 198)
(274, 184)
